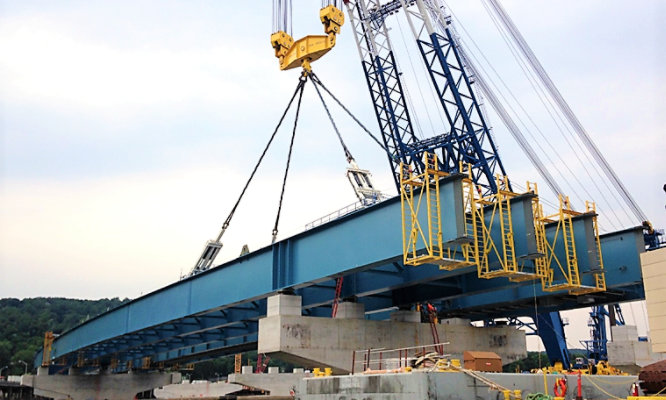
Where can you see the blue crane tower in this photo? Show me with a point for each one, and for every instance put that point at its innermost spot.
(467, 139)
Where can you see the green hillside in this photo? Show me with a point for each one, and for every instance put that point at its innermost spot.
(23, 323)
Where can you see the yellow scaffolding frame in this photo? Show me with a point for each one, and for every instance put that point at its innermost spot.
(501, 209)
(499, 205)
(599, 275)
(423, 245)
(541, 266)
(569, 266)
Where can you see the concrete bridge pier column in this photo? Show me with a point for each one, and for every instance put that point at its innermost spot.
(313, 342)
(101, 386)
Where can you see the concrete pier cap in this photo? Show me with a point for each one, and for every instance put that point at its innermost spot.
(313, 342)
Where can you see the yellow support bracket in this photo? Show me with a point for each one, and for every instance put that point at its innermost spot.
(599, 275)
(499, 206)
(568, 265)
(300, 53)
(422, 238)
(482, 213)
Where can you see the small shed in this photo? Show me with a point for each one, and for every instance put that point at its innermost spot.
(485, 361)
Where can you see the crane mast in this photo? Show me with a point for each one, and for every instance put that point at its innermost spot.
(468, 139)
(382, 77)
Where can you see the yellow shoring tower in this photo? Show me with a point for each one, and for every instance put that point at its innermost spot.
(568, 267)
(423, 244)
(302, 52)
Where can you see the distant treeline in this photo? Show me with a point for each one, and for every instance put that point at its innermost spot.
(23, 323)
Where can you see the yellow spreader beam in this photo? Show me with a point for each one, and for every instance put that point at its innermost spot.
(300, 53)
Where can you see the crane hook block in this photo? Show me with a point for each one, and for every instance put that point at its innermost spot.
(302, 52)
(332, 18)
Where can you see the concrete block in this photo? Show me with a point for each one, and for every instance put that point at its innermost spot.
(273, 370)
(653, 257)
(658, 322)
(406, 316)
(283, 304)
(198, 389)
(656, 282)
(276, 384)
(97, 387)
(247, 369)
(659, 347)
(657, 303)
(624, 333)
(349, 310)
(652, 270)
(658, 338)
(653, 265)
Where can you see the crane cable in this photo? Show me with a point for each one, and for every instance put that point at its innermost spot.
(551, 108)
(299, 88)
(301, 84)
(348, 154)
(317, 82)
(282, 11)
(566, 110)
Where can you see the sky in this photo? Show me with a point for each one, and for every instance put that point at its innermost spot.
(127, 129)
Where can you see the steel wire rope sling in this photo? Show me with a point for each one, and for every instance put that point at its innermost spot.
(317, 82)
(213, 247)
(302, 81)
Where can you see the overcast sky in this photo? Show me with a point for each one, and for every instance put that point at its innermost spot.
(128, 128)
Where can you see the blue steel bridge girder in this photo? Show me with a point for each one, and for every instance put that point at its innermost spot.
(184, 345)
(173, 335)
(182, 320)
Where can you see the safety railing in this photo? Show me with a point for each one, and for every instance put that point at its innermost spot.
(396, 360)
(346, 210)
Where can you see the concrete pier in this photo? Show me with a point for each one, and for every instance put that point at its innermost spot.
(329, 342)
(97, 387)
